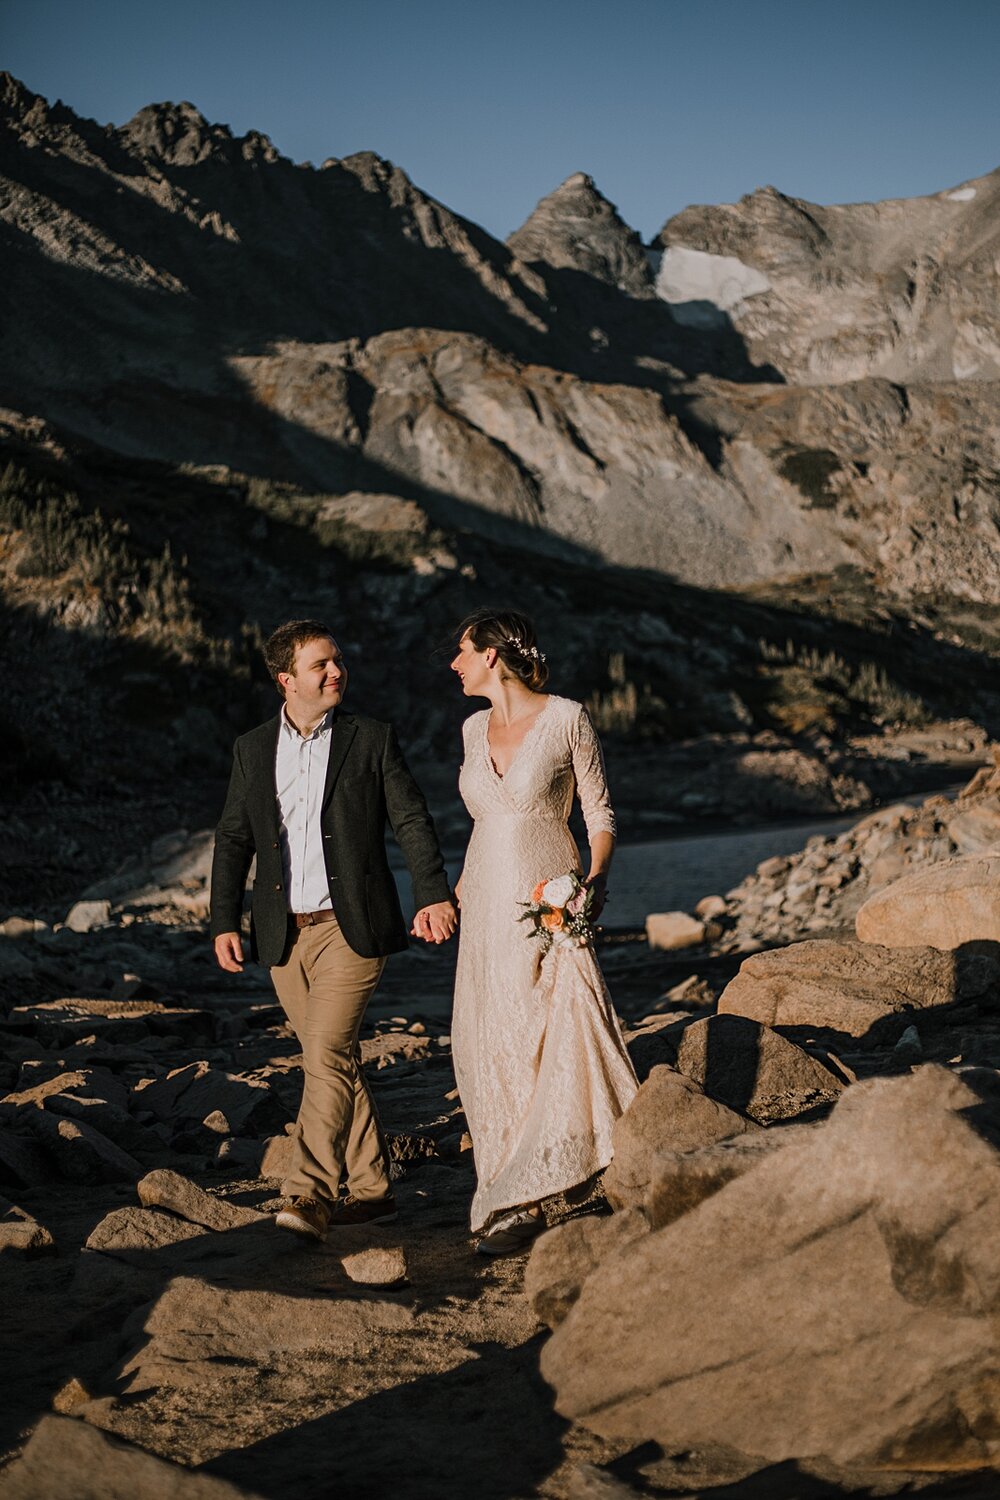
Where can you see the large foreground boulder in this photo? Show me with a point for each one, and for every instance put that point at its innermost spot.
(955, 902)
(838, 1300)
(670, 1112)
(563, 1258)
(680, 1180)
(855, 989)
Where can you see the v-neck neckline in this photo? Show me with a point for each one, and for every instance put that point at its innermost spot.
(502, 775)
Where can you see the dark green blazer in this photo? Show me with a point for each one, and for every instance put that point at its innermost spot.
(367, 785)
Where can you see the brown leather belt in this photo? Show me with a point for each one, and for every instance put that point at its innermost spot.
(310, 918)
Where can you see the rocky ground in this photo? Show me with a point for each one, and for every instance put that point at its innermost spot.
(813, 1151)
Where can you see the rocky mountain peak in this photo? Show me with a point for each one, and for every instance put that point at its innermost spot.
(19, 103)
(180, 135)
(576, 228)
(766, 228)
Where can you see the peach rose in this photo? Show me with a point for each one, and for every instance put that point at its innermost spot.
(536, 894)
(552, 920)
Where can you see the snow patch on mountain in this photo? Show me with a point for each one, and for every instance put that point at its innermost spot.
(704, 289)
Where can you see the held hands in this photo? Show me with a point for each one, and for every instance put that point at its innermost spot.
(435, 924)
(229, 952)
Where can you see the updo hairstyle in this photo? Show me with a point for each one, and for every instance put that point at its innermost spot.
(512, 637)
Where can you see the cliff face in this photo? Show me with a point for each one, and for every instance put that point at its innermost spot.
(905, 289)
(180, 294)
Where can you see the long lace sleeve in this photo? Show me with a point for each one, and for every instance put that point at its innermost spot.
(591, 780)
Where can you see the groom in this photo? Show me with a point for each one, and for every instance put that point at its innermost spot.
(310, 793)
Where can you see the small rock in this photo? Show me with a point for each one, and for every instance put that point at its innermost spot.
(81, 1153)
(21, 1233)
(909, 1044)
(376, 1266)
(711, 906)
(21, 927)
(69, 1396)
(673, 929)
(276, 1161)
(166, 1189)
(86, 915)
(753, 1069)
(692, 993)
(217, 1123)
(237, 1151)
(127, 1231)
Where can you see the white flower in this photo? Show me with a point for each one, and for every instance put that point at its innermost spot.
(557, 892)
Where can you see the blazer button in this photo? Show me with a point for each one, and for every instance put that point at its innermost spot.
(277, 887)
(274, 845)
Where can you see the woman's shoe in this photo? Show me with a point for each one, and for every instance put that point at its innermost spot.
(511, 1234)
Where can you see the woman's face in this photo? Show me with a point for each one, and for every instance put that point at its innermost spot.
(474, 668)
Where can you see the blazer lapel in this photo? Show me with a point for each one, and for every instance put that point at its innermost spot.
(342, 733)
(261, 778)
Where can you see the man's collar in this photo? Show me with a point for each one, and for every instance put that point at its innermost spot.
(325, 723)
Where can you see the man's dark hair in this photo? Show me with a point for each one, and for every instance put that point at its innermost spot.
(281, 646)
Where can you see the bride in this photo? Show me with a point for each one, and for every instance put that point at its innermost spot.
(539, 1058)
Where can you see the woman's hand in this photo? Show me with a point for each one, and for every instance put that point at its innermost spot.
(599, 885)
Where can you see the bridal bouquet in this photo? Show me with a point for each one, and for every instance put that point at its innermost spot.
(560, 911)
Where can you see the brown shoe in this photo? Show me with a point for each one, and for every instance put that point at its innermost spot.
(304, 1216)
(364, 1211)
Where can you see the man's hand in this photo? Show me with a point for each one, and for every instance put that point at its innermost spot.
(229, 952)
(435, 924)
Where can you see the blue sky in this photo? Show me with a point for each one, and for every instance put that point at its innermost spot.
(490, 106)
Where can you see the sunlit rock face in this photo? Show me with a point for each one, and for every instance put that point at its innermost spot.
(772, 389)
(905, 289)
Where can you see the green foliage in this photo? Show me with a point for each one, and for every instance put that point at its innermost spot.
(623, 706)
(812, 689)
(59, 535)
(374, 549)
(83, 553)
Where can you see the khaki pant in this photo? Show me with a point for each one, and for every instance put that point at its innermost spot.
(324, 988)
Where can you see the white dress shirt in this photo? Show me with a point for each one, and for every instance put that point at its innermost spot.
(300, 776)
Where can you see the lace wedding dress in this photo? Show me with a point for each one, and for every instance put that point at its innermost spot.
(539, 1058)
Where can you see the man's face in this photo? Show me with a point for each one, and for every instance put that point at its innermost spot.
(317, 681)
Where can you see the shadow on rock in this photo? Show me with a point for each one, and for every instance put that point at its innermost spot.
(486, 1428)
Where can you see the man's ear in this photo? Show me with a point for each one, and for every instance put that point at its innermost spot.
(284, 678)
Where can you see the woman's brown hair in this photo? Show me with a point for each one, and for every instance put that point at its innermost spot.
(512, 636)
